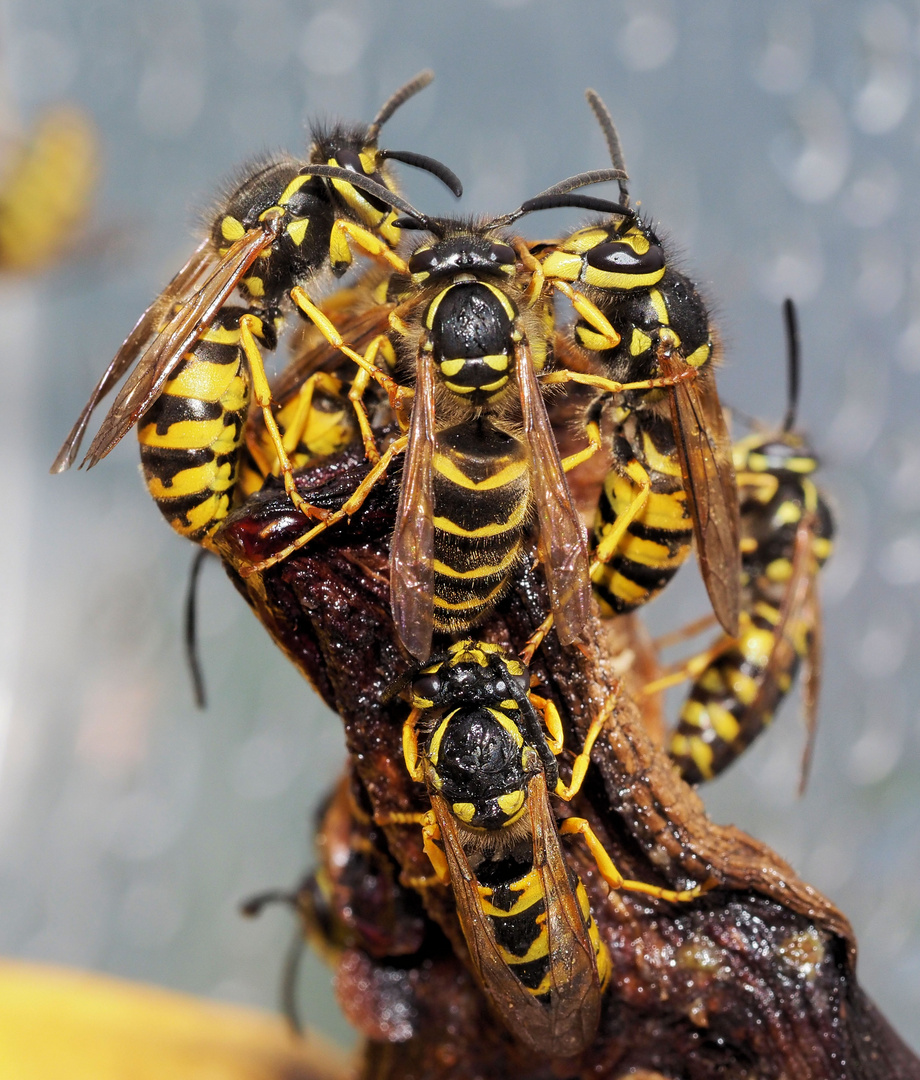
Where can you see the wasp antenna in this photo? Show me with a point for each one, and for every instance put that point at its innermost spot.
(585, 179)
(792, 359)
(421, 161)
(365, 183)
(548, 200)
(614, 147)
(255, 904)
(402, 95)
(191, 633)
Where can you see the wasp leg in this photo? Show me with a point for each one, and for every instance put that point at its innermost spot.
(263, 396)
(397, 394)
(563, 375)
(583, 760)
(431, 836)
(615, 879)
(690, 630)
(694, 666)
(380, 345)
(593, 434)
(348, 508)
(537, 276)
(608, 337)
(551, 721)
(369, 244)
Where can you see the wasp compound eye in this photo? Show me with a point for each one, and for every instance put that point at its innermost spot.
(502, 253)
(424, 261)
(348, 159)
(622, 258)
(427, 686)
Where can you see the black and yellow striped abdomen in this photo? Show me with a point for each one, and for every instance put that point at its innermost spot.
(481, 487)
(736, 695)
(190, 437)
(657, 540)
(516, 909)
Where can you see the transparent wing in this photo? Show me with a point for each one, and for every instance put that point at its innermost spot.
(799, 613)
(412, 549)
(542, 1026)
(177, 337)
(146, 326)
(576, 993)
(704, 449)
(562, 544)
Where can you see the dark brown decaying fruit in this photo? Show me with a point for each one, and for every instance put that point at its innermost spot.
(754, 979)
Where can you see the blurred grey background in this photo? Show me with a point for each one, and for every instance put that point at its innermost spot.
(778, 145)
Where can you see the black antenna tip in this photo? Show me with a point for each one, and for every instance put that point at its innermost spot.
(790, 319)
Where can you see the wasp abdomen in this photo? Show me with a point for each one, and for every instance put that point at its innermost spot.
(481, 482)
(190, 437)
(657, 540)
(736, 695)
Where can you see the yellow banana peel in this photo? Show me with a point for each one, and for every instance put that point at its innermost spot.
(60, 1024)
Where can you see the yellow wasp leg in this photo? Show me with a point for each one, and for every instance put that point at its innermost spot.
(551, 720)
(345, 510)
(614, 878)
(563, 375)
(589, 312)
(410, 747)
(397, 394)
(608, 546)
(593, 433)
(685, 632)
(367, 242)
(537, 277)
(581, 763)
(694, 666)
(304, 402)
(431, 834)
(263, 396)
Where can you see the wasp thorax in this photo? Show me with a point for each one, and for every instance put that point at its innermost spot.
(471, 333)
(478, 759)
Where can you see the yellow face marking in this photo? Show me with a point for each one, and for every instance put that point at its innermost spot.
(584, 240)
